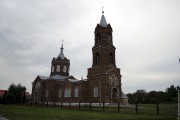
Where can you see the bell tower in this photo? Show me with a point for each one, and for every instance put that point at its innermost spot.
(104, 77)
(103, 49)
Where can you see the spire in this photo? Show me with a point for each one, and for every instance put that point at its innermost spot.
(103, 22)
(61, 54)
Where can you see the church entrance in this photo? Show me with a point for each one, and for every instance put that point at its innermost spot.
(114, 95)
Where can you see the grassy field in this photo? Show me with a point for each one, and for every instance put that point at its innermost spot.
(15, 112)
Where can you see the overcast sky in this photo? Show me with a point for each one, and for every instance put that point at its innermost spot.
(146, 34)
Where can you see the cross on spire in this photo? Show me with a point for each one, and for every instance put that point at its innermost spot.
(102, 10)
(61, 54)
(62, 43)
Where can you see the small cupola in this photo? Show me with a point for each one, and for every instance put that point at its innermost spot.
(60, 64)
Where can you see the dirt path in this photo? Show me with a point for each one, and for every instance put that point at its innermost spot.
(2, 118)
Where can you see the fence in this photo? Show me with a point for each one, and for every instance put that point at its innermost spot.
(141, 109)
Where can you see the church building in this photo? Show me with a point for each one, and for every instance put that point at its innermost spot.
(103, 83)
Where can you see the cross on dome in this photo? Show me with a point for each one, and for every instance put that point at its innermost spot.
(102, 10)
(61, 54)
(62, 41)
(62, 44)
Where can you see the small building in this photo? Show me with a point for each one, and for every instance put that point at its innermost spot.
(124, 98)
(2, 92)
(28, 96)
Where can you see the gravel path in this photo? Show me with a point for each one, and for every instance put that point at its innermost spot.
(2, 118)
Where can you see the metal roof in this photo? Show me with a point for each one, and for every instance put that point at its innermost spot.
(61, 78)
(103, 22)
(61, 54)
(54, 77)
(43, 77)
(74, 80)
(58, 77)
(124, 96)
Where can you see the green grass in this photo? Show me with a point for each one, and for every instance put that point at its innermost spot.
(164, 109)
(15, 112)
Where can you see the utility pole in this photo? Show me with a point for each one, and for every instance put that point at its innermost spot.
(178, 118)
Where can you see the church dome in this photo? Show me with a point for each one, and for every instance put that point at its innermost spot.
(61, 54)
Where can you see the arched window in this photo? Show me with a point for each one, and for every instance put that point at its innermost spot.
(116, 79)
(110, 80)
(97, 58)
(64, 69)
(76, 92)
(67, 92)
(36, 97)
(113, 80)
(58, 68)
(95, 91)
(109, 39)
(46, 93)
(59, 93)
(37, 86)
(52, 68)
(98, 39)
(111, 58)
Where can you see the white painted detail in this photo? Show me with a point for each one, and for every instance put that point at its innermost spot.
(95, 91)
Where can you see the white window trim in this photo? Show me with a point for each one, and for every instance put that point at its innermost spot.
(37, 85)
(76, 92)
(95, 92)
(60, 93)
(64, 69)
(67, 92)
(58, 68)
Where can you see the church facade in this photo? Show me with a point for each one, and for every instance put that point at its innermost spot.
(103, 83)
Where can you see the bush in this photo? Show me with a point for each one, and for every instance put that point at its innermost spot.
(10, 98)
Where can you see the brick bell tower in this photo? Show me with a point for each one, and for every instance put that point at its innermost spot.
(104, 77)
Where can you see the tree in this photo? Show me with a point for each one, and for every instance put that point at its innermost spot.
(0, 99)
(10, 98)
(172, 92)
(131, 98)
(141, 96)
(4, 97)
(23, 97)
(17, 91)
(152, 97)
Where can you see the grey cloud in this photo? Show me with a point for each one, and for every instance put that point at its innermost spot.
(145, 35)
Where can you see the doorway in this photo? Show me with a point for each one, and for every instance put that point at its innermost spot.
(114, 95)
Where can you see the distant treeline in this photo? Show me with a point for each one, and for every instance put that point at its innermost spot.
(15, 94)
(141, 96)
